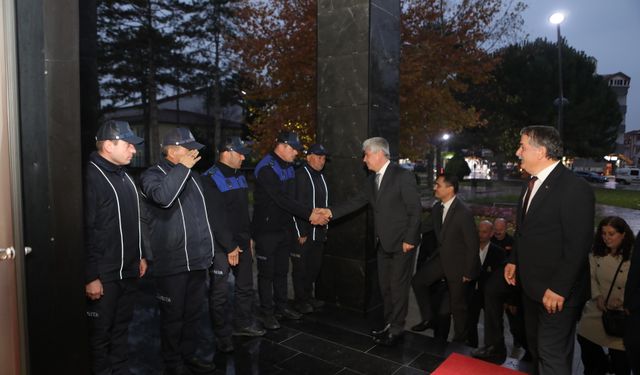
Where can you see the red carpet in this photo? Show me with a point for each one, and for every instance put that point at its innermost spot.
(458, 364)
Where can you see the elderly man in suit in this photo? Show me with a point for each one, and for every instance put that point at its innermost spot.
(550, 258)
(456, 258)
(491, 259)
(392, 192)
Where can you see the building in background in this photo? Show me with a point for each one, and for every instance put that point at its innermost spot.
(632, 147)
(191, 110)
(619, 84)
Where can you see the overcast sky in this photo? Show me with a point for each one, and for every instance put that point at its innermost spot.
(608, 30)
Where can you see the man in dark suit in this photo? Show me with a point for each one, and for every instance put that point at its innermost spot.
(491, 259)
(455, 259)
(393, 195)
(554, 229)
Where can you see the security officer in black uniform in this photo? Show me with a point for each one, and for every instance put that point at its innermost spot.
(182, 245)
(308, 246)
(113, 246)
(272, 227)
(226, 194)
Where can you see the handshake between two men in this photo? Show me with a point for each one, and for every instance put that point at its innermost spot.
(320, 216)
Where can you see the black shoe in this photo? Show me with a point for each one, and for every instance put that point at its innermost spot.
(224, 344)
(377, 333)
(489, 352)
(249, 331)
(287, 313)
(388, 340)
(303, 307)
(268, 322)
(316, 303)
(198, 366)
(422, 326)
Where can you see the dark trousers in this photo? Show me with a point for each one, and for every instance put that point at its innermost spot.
(440, 292)
(496, 293)
(430, 273)
(109, 318)
(394, 277)
(181, 298)
(550, 337)
(272, 254)
(476, 303)
(219, 305)
(596, 362)
(306, 261)
(632, 341)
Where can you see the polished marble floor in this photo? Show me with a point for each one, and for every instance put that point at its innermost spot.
(331, 341)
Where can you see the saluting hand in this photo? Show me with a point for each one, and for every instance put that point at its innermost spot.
(190, 158)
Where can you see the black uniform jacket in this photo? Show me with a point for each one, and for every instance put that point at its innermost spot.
(112, 239)
(311, 189)
(176, 219)
(229, 210)
(274, 200)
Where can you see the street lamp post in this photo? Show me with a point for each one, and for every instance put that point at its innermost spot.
(557, 19)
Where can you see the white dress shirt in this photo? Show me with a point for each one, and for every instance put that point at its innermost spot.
(542, 175)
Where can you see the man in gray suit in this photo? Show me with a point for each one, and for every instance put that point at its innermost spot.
(456, 258)
(393, 195)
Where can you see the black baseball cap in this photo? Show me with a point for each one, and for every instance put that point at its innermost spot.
(291, 139)
(181, 137)
(317, 149)
(112, 130)
(235, 144)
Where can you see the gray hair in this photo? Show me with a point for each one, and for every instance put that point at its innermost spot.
(487, 223)
(376, 144)
(547, 137)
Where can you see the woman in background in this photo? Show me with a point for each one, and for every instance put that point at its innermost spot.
(612, 245)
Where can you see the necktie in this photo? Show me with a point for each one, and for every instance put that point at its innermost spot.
(378, 178)
(444, 215)
(527, 196)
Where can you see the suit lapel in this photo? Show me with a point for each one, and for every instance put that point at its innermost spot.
(450, 214)
(545, 190)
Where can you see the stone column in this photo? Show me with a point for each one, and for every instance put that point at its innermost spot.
(358, 81)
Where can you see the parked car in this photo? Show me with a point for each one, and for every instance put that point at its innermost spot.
(591, 176)
(628, 175)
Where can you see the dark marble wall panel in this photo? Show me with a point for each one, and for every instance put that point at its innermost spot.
(52, 191)
(384, 73)
(358, 53)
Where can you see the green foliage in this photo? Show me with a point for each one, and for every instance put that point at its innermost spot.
(618, 198)
(523, 91)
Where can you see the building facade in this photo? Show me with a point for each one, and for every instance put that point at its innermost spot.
(619, 84)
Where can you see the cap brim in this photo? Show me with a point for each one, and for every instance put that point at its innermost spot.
(297, 146)
(192, 145)
(243, 150)
(134, 140)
